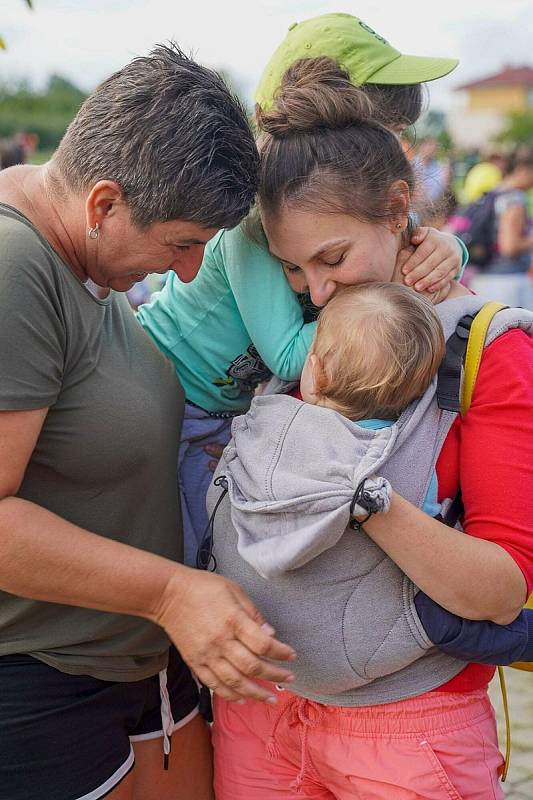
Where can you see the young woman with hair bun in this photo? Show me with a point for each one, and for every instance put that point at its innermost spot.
(334, 201)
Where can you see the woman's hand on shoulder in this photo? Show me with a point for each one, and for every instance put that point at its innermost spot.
(221, 635)
(431, 262)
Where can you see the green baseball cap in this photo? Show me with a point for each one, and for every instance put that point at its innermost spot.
(365, 55)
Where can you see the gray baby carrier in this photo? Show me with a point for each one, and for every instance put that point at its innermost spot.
(281, 531)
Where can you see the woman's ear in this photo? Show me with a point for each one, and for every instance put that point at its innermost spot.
(101, 200)
(399, 202)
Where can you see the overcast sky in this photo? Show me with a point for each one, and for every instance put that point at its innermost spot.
(85, 40)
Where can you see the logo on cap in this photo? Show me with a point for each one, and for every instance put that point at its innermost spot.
(368, 29)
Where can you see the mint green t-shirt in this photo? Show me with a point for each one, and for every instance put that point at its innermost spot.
(236, 323)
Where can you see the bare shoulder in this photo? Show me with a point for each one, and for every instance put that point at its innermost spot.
(16, 187)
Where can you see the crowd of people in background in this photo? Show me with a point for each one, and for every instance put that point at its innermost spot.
(495, 186)
(504, 199)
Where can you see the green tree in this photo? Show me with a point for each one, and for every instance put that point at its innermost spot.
(518, 129)
(46, 113)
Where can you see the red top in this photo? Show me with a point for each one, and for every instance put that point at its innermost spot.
(491, 450)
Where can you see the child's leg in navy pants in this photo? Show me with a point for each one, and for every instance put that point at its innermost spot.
(199, 429)
(481, 641)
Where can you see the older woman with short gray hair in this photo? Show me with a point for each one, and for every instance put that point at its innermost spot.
(94, 604)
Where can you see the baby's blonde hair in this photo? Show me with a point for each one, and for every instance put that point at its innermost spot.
(378, 347)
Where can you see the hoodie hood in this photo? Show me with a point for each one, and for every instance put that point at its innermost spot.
(292, 470)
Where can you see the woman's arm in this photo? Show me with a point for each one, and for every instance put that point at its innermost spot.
(268, 306)
(511, 239)
(44, 557)
(487, 574)
(470, 577)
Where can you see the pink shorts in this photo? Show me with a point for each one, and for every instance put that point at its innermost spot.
(438, 746)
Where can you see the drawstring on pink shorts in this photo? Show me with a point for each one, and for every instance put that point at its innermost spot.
(303, 712)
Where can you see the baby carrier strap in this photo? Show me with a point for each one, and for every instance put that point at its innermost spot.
(459, 367)
(461, 362)
(451, 368)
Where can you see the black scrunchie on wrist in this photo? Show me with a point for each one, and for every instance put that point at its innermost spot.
(363, 499)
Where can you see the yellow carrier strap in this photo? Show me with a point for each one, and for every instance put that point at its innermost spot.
(527, 666)
(505, 704)
(474, 351)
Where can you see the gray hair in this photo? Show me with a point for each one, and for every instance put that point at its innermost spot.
(170, 133)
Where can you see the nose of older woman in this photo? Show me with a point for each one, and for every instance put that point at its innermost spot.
(188, 262)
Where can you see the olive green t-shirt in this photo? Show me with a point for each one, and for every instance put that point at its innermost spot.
(106, 457)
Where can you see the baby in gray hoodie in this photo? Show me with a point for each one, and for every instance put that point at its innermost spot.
(376, 351)
(292, 467)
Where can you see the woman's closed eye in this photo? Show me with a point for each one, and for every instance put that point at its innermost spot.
(292, 268)
(335, 262)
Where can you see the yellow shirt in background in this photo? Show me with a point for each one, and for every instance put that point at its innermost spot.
(482, 178)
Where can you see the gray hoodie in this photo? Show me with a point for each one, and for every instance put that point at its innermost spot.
(282, 534)
(293, 503)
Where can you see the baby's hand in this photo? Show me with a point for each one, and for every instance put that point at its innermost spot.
(215, 450)
(431, 262)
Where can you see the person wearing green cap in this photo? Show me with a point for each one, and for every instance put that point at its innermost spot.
(334, 197)
(252, 324)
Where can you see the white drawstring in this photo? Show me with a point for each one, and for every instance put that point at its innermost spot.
(167, 720)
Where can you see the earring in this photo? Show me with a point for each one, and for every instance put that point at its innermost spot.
(398, 225)
(93, 232)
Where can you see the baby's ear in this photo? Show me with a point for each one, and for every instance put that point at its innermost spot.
(315, 373)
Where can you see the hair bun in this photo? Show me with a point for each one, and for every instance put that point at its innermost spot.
(315, 93)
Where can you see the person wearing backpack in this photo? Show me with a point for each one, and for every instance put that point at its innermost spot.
(426, 730)
(296, 541)
(501, 217)
(484, 176)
